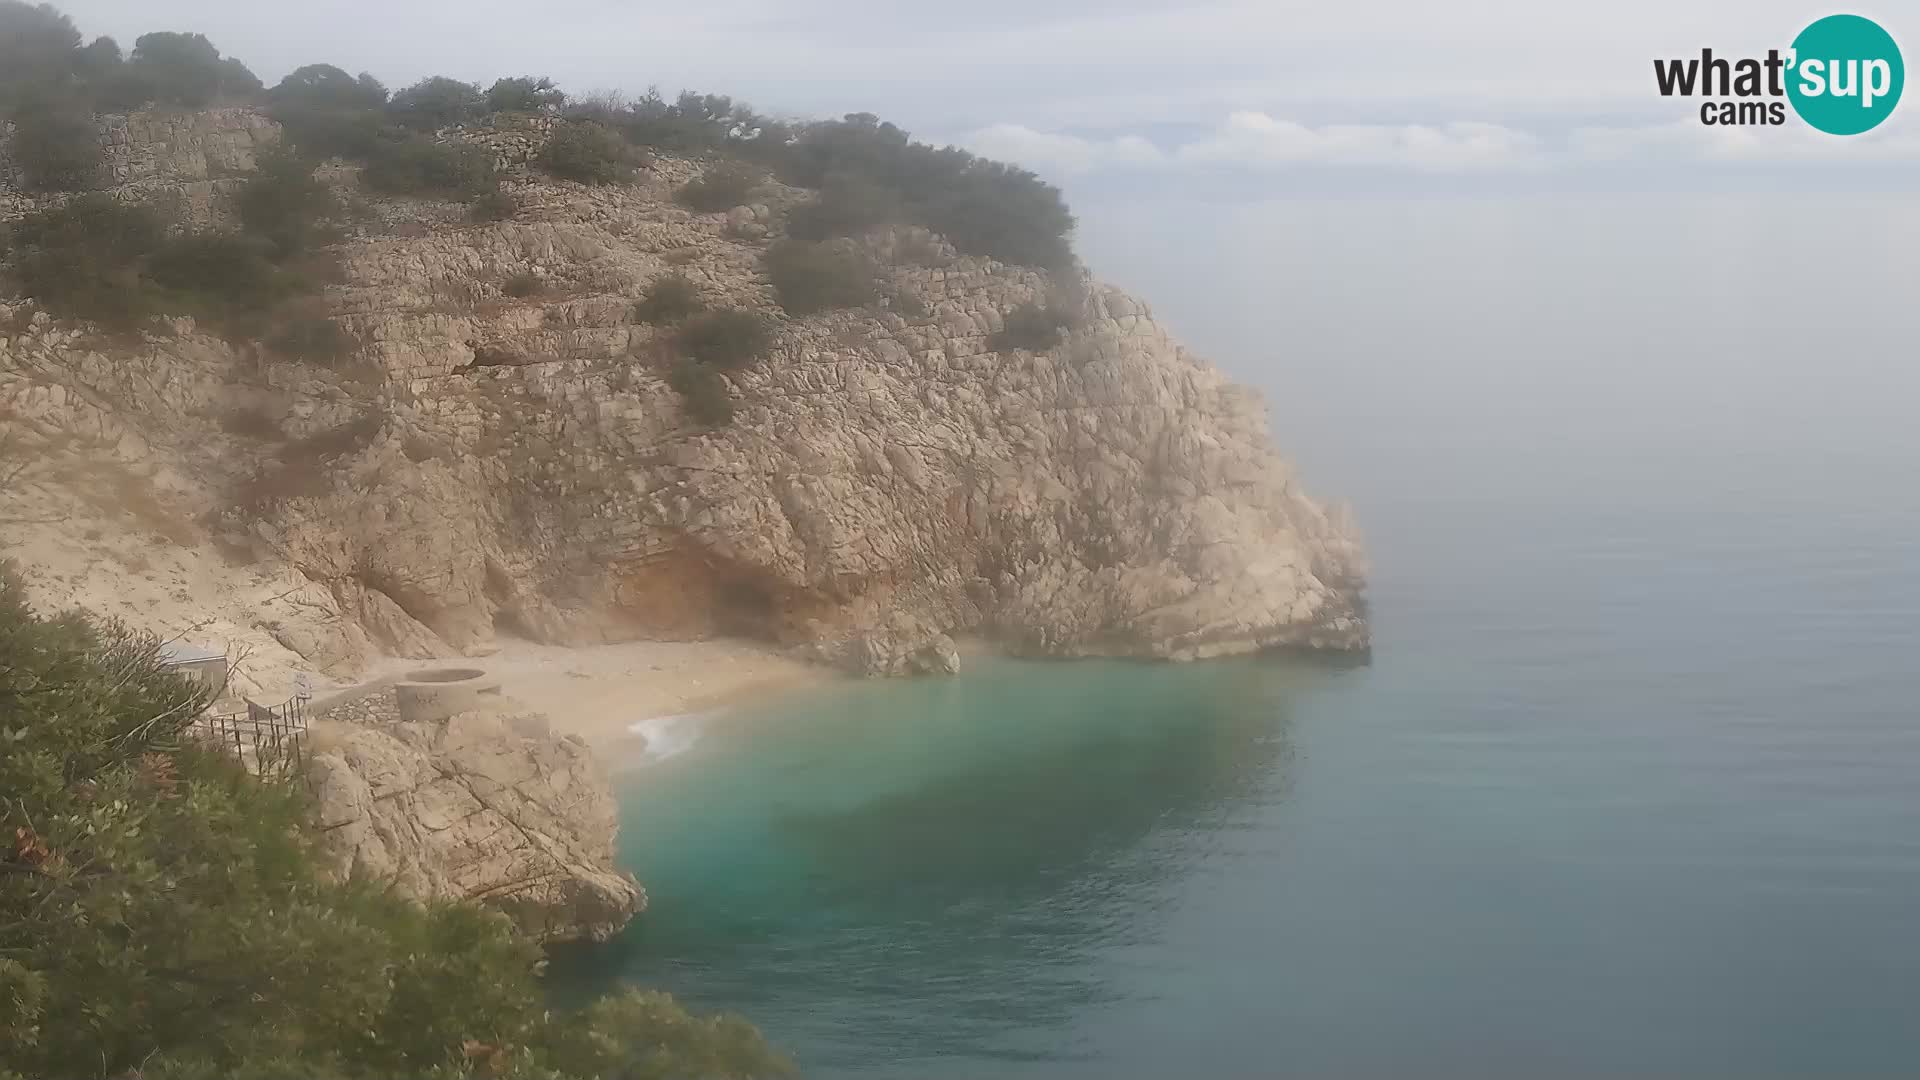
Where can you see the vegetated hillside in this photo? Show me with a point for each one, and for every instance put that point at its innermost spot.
(163, 914)
(466, 362)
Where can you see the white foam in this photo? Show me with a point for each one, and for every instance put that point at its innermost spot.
(669, 736)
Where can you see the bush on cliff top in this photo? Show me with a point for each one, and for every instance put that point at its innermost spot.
(589, 153)
(526, 94)
(437, 102)
(983, 207)
(185, 70)
(811, 278)
(723, 186)
(39, 47)
(847, 205)
(326, 112)
(420, 166)
(163, 913)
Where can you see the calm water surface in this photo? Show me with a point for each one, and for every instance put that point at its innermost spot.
(1631, 786)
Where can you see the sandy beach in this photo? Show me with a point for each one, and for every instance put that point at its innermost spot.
(601, 691)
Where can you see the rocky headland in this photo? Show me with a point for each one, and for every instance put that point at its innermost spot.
(502, 456)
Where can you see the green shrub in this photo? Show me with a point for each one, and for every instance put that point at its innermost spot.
(523, 285)
(164, 913)
(526, 94)
(983, 207)
(589, 153)
(704, 392)
(437, 102)
(726, 338)
(847, 205)
(96, 68)
(328, 113)
(112, 263)
(221, 276)
(37, 45)
(315, 340)
(85, 259)
(1029, 326)
(669, 298)
(810, 278)
(495, 205)
(722, 186)
(57, 144)
(185, 70)
(323, 133)
(328, 87)
(420, 166)
(285, 205)
(692, 123)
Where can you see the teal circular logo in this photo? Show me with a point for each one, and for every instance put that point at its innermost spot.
(1846, 75)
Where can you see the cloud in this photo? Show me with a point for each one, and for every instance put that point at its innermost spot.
(1255, 140)
(1250, 141)
(1054, 152)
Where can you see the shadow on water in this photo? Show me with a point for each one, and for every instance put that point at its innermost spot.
(883, 871)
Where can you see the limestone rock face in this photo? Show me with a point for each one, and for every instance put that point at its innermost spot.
(488, 806)
(894, 474)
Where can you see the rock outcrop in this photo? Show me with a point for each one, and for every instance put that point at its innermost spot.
(189, 159)
(487, 805)
(500, 463)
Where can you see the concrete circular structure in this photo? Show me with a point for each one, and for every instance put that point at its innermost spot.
(433, 694)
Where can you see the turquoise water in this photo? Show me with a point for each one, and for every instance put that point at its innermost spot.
(1635, 794)
(1631, 786)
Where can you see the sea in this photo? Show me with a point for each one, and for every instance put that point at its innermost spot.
(1629, 786)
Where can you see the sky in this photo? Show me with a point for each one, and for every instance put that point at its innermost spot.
(1223, 99)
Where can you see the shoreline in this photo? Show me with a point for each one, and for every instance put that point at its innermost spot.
(599, 692)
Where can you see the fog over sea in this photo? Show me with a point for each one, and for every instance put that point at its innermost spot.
(1630, 787)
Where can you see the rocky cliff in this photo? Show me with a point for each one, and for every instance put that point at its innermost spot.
(487, 805)
(516, 464)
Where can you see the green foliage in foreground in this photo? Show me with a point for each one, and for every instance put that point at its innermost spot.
(162, 914)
